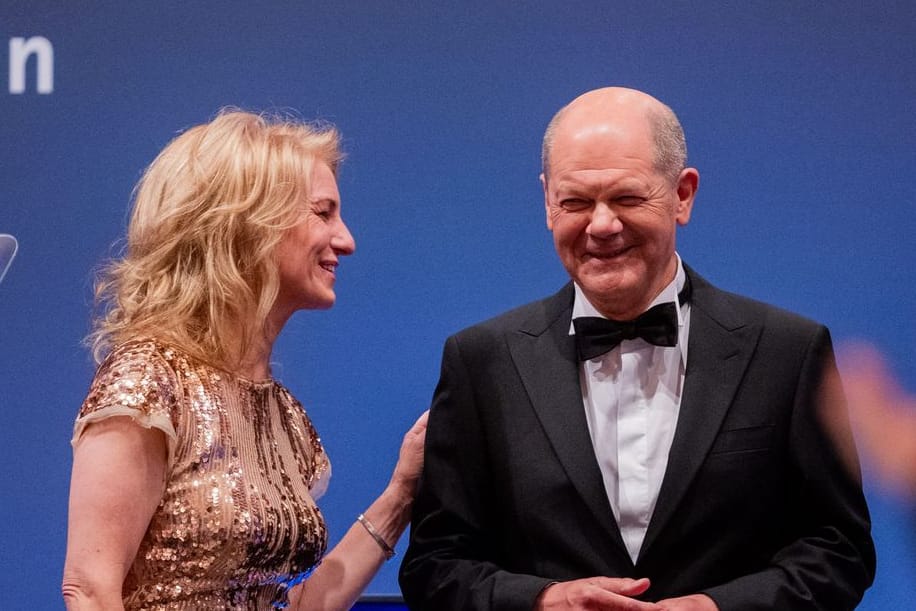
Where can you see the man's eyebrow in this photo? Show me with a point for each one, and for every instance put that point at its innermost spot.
(612, 184)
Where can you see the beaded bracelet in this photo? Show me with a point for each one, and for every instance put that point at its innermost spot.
(386, 549)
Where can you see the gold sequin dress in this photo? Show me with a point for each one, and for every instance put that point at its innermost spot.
(237, 524)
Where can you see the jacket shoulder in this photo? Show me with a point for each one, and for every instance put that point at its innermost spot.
(533, 317)
(734, 310)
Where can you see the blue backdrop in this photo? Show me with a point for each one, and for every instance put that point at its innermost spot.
(798, 116)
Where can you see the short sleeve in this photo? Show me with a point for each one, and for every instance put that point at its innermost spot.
(320, 463)
(319, 484)
(134, 381)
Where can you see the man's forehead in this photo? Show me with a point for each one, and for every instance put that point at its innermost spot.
(602, 140)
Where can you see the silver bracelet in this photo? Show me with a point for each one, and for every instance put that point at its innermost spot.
(386, 549)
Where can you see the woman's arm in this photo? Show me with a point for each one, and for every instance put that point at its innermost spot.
(117, 482)
(346, 570)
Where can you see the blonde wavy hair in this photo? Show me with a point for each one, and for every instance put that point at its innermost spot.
(199, 268)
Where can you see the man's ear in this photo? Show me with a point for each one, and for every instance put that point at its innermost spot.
(543, 180)
(687, 184)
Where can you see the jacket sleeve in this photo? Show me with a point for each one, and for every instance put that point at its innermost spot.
(829, 560)
(451, 562)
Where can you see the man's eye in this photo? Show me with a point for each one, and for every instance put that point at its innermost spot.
(574, 204)
(629, 200)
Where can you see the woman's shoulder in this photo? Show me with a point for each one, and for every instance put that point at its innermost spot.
(135, 349)
(147, 353)
(138, 367)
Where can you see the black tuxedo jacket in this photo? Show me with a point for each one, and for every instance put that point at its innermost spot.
(755, 508)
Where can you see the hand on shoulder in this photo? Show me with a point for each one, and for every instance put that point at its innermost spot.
(410, 458)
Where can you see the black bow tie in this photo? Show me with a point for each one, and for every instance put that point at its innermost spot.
(657, 325)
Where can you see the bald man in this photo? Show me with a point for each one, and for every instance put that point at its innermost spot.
(640, 440)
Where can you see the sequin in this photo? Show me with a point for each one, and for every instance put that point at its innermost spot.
(237, 524)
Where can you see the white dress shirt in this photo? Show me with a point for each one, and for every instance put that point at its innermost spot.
(632, 396)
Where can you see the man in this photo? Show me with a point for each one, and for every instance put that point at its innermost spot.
(683, 472)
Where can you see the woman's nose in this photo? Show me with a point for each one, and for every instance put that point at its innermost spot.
(343, 241)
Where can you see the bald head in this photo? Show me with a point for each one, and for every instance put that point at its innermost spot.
(616, 109)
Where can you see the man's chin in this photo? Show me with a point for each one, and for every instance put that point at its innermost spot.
(616, 293)
(609, 285)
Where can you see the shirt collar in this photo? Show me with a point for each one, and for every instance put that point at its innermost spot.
(583, 307)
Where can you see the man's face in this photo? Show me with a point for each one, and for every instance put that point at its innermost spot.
(613, 215)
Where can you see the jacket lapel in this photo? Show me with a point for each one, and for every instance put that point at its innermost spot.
(720, 348)
(545, 355)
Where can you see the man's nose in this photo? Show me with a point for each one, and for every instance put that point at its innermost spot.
(604, 221)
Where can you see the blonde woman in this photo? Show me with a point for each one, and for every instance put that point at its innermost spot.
(195, 472)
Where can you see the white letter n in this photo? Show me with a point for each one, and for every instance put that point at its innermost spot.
(20, 50)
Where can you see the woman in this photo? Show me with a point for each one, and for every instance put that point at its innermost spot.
(195, 473)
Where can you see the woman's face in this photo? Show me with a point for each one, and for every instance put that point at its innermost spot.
(310, 251)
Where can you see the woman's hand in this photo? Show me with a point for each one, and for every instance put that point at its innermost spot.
(410, 459)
